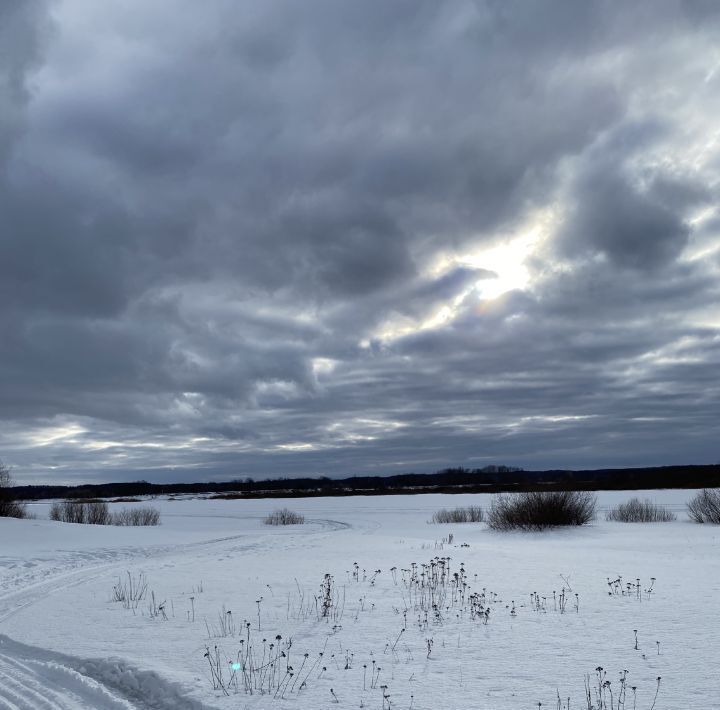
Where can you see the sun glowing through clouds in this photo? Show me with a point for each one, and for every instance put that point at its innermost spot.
(507, 260)
(501, 268)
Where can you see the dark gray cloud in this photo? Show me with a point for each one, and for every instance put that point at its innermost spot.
(22, 25)
(630, 226)
(283, 238)
(634, 215)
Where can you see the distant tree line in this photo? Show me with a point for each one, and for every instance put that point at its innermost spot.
(490, 479)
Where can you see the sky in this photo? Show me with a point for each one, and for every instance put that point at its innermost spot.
(280, 238)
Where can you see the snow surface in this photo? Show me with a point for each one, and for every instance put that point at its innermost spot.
(65, 644)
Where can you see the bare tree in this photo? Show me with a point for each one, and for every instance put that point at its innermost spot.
(9, 507)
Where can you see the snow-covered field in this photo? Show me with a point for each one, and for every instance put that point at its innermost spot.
(65, 644)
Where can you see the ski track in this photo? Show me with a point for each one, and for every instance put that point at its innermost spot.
(33, 678)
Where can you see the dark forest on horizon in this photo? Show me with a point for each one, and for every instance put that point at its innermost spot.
(491, 479)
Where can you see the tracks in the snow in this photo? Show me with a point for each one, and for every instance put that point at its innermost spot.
(18, 592)
(34, 678)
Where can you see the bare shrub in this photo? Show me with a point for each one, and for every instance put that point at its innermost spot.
(469, 514)
(72, 511)
(640, 511)
(284, 516)
(61, 512)
(537, 511)
(705, 506)
(9, 507)
(54, 513)
(13, 509)
(97, 513)
(136, 516)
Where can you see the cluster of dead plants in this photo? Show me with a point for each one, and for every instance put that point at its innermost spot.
(98, 513)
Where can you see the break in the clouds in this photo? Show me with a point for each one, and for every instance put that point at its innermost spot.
(271, 238)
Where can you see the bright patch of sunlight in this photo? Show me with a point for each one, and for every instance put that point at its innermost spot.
(298, 446)
(361, 429)
(46, 436)
(507, 261)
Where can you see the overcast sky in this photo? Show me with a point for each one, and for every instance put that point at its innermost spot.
(271, 237)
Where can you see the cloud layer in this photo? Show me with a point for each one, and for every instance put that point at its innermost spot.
(338, 237)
